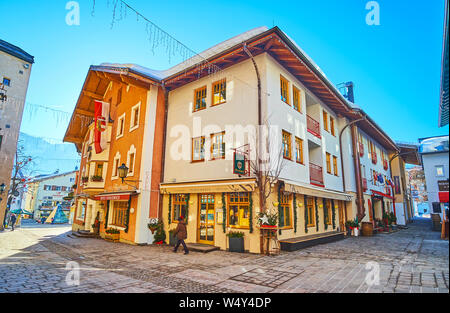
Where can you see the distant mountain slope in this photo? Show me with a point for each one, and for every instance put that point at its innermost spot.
(48, 157)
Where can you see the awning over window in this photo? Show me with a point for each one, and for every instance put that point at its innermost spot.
(316, 191)
(443, 196)
(115, 196)
(235, 185)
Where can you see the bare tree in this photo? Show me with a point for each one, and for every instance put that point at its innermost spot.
(22, 166)
(267, 162)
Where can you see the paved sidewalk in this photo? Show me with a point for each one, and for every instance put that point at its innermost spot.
(34, 259)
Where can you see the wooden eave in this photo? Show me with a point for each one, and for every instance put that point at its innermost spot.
(281, 48)
(94, 88)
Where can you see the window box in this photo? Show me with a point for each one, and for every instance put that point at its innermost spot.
(85, 179)
(96, 178)
(112, 237)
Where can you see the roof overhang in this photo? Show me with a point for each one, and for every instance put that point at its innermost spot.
(94, 88)
(277, 44)
(409, 153)
(273, 41)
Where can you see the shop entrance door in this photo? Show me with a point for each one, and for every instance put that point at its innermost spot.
(206, 219)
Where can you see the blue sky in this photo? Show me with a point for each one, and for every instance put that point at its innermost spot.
(395, 66)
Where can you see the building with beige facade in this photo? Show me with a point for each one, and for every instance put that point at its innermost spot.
(255, 96)
(15, 70)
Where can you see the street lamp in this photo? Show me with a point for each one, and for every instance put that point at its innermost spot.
(123, 172)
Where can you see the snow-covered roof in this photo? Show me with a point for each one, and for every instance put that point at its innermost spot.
(199, 58)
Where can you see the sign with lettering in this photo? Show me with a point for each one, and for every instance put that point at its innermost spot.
(443, 185)
(239, 164)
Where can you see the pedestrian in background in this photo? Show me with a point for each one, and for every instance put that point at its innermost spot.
(12, 221)
(181, 233)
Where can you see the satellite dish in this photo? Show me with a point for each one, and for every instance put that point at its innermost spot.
(16, 193)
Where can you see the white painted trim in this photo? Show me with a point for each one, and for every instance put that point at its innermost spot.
(118, 135)
(116, 157)
(133, 109)
(131, 151)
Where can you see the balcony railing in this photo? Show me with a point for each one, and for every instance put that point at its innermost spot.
(313, 126)
(316, 174)
(364, 184)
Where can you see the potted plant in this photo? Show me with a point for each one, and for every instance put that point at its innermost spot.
(153, 226)
(96, 178)
(356, 228)
(112, 234)
(393, 218)
(386, 218)
(267, 219)
(352, 228)
(349, 226)
(160, 236)
(84, 179)
(236, 241)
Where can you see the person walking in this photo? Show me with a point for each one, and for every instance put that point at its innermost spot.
(181, 233)
(12, 221)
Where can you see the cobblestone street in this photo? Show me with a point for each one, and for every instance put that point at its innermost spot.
(33, 259)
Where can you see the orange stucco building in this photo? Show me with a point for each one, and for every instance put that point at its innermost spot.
(134, 134)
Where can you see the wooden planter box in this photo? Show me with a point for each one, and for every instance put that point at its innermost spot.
(236, 244)
(112, 237)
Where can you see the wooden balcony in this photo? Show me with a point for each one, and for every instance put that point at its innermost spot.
(316, 174)
(313, 126)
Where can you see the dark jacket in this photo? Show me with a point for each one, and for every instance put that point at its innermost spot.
(181, 231)
(13, 219)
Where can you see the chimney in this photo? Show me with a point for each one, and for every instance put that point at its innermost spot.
(350, 94)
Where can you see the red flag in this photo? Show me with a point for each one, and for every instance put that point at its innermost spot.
(101, 119)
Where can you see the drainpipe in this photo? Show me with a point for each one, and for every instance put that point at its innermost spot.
(163, 156)
(340, 145)
(261, 200)
(359, 190)
(360, 203)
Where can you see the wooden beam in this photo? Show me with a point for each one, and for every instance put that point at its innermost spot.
(269, 44)
(84, 112)
(132, 81)
(73, 139)
(92, 95)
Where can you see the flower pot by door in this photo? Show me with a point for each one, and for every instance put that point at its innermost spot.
(356, 232)
(349, 231)
(236, 244)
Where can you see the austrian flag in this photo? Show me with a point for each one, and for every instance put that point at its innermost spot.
(101, 119)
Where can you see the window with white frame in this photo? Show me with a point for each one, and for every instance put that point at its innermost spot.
(120, 126)
(116, 164)
(131, 160)
(135, 114)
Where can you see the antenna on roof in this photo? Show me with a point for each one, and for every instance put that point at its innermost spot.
(346, 89)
